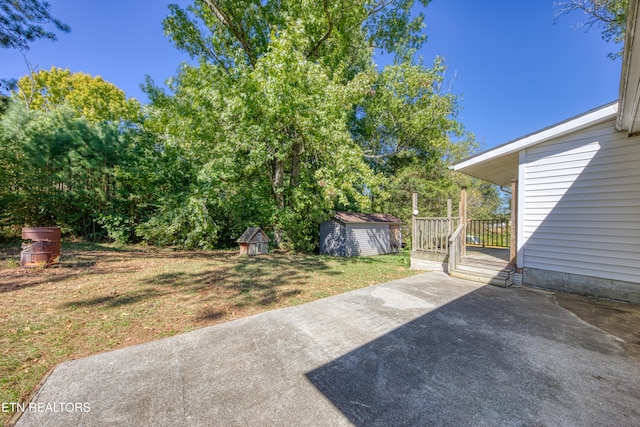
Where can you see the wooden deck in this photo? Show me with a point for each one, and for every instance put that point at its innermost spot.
(485, 265)
(497, 255)
(497, 258)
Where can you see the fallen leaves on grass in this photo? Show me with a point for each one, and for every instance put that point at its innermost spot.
(102, 298)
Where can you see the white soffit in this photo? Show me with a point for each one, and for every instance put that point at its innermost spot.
(500, 165)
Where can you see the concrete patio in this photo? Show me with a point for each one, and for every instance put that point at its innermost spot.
(425, 350)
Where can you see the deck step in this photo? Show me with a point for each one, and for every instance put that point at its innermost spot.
(491, 276)
(497, 271)
(490, 263)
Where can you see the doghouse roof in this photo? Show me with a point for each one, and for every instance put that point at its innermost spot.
(361, 218)
(249, 234)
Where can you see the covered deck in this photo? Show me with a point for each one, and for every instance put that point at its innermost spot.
(487, 255)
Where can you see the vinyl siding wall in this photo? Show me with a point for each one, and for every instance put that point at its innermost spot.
(581, 210)
(332, 237)
(367, 239)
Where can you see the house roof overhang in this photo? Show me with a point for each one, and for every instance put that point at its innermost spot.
(500, 165)
(628, 119)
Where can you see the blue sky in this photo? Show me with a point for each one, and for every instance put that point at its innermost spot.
(515, 71)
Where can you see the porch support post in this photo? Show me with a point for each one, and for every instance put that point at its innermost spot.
(463, 219)
(414, 215)
(513, 244)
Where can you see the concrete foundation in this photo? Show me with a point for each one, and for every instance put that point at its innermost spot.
(428, 261)
(582, 285)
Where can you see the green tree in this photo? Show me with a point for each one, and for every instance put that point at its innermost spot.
(274, 144)
(74, 151)
(23, 21)
(408, 128)
(80, 162)
(58, 168)
(230, 33)
(609, 15)
(405, 114)
(4, 103)
(91, 97)
(151, 201)
(96, 180)
(265, 116)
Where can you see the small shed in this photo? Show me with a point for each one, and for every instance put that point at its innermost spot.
(253, 241)
(358, 234)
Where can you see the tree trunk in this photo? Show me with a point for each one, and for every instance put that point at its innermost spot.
(277, 184)
(295, 164)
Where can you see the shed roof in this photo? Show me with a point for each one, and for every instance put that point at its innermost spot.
(362, 218)
(249, 233)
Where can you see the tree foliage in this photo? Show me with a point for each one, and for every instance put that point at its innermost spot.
(24, 21)
(406, 125)
(405, 115)
(286, 116)
(55, 163)
(231, 33)
(91, 97)
(284, 119)
(74, 154)
(609, 15)
(273, 142)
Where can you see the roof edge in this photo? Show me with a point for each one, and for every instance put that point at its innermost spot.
(362, 218)
(591, 117)
(629, 95)
(249, 233)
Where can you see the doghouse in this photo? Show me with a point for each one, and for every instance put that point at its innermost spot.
(253, 241)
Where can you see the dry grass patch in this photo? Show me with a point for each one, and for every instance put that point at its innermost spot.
(103, 297)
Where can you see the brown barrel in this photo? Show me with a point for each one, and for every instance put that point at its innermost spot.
(42, 233)
(44, 251)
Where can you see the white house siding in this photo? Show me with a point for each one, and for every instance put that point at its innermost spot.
(332, 237)
(581, 210)
(367, 239)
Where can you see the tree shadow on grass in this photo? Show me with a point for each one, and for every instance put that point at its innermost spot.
(114, 299)
(259, 281)
(83, 259)
(235, 281)
(211, 315)
(17, 278)
(216, 313)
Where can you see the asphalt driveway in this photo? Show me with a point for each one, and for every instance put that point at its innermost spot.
(425, 350)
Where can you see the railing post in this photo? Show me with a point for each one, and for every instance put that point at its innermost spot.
(463, 219)
(456, 243)
(452, 256)
(414, 223)
(449, 223)
(513, 243)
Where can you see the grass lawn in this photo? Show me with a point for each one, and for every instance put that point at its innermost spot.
(105, 297)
